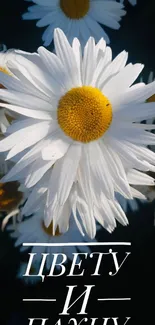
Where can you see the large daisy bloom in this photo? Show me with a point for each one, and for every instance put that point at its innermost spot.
(77, 18)
(132, 2)
(82, 128)
(33, 230)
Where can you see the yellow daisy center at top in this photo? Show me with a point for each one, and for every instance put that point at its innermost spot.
(84, 114)
(75, 9)
(49, 230)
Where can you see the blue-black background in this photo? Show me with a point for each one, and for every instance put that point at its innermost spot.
(136, 279)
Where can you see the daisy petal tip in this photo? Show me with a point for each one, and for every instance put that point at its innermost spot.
(46, 43)
(141, 65)
(40, 49)
(92, 234)
(58, 31)
(9, 156)
(47, 222)
(24, 16)
(38, 24)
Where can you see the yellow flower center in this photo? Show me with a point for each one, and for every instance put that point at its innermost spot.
(49, 230)
(10, 197)
(75, 9)
(151, 99)
(84, 114)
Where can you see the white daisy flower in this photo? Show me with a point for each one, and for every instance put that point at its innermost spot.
(132, 2)
(29, 279)
(80, 18)
(33, 230)
(82, 127)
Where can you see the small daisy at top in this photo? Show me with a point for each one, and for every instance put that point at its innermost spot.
(132, 2)
(77, 18)
(33, 230)
(81, 127)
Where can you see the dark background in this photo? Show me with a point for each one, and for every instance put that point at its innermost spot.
(136, 279)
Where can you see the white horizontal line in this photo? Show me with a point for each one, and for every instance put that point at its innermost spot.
(100, 299)
(79, 244)
(114, 299)
(44, 300)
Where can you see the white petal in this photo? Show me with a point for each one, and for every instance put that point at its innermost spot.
(38, 114)
(78, 56)
(56, 148)
(87, 218)
(135, 112)
(56, 69)
(89, 61)
(13, 83)
(38, 133)
(116, 170)
(37, 171)
(137, 194)
(47, 19)
(138, 178)
(66, 55)
(27, 101)
(138, 93)
(116, 65)
(122, 81)
(103, 62)
(8, 142)
(119, 213)
(95, 29)
(99, 169)
(24, 75)
(63, 176)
